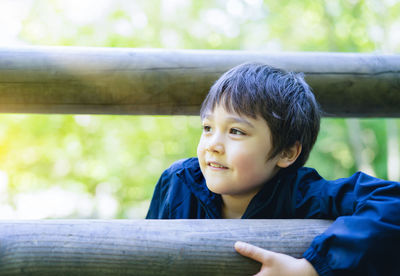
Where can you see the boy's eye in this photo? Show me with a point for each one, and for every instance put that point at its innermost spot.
(206, 128)
(236, 132)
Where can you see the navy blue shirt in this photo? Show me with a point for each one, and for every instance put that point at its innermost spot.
(364, 239)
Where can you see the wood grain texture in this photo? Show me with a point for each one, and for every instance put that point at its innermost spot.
(146, 247)
(144, 81)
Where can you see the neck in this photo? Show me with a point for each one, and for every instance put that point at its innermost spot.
(233, 207)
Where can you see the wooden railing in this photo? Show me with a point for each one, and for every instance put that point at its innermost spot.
(138, 81)
(146, 247)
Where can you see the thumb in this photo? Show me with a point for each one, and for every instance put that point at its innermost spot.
(251, 251)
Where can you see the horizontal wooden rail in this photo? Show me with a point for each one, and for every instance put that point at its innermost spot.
(143, 81)
(146, 247)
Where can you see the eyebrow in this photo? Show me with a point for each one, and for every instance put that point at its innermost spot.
(232, 119)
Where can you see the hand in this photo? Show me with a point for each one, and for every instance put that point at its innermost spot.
(275, 263)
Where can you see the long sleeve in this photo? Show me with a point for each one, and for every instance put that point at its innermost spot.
(365, 237)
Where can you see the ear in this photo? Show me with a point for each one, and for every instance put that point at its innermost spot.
(289, 156)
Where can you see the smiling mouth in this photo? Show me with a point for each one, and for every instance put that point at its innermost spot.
(216, 165)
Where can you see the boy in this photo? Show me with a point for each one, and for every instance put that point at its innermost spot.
(259, 125)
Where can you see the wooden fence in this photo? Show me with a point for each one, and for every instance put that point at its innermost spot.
(146, 247)
(137, 81)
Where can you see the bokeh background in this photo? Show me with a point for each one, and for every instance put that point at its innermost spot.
(97, 166)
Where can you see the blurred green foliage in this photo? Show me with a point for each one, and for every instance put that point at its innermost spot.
(124, 155)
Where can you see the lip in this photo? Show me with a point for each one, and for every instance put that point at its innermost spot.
(216, 166)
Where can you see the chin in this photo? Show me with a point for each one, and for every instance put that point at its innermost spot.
(215, 188)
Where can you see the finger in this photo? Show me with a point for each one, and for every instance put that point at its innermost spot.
(261, 273)
(252, 252)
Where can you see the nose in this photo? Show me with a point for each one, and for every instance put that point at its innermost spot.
(215, 144)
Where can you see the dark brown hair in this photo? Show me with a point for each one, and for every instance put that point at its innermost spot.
(282, 98)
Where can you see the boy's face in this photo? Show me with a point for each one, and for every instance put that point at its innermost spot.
(233, 153)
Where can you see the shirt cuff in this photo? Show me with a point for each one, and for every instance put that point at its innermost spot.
(320, 264)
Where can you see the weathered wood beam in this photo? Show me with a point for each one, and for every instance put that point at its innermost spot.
(146, 247)
(144, 81)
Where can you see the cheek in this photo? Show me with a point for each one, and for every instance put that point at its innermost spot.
(200, 149)
(252, 172)
(242, 158)
(246, 163)
(251, 163)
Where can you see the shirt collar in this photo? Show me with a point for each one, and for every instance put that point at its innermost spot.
(196, 182)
